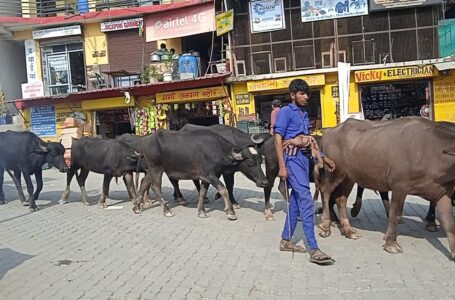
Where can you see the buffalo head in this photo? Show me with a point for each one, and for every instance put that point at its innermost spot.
(249, 163)
(54, 155)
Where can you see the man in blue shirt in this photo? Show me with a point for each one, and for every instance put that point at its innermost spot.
(293, 122)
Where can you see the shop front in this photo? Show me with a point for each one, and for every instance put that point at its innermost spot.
(253, 101)
(392, 93)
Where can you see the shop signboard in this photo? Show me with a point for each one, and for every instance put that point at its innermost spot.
(241, 99)
(32, 90)
(410, 72)
(193, 95)
(121, 24)
(376, 5)
(283, 83)
(30, 60)
(58, 69)
(224, 22)
(56, 32)
(43, 120)
(316, 10)
(266, 15)
(177, 23)
(444, 98)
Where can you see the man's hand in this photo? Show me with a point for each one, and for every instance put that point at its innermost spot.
(301, 141)
(329, 164)
(283, 173)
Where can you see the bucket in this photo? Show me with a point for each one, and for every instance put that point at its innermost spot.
(167, 77)
(188, 64)
(221, 67)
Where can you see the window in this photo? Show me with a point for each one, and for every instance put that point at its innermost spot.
(126, 80)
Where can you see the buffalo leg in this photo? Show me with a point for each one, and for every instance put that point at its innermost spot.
(105, 192)
(81, 177)
(324, 226)
(2, 195)
(31, 200)
(153, 179)
(39, 183)
(344, 189)
(69, 176)
(200, 205)
(215, 181)
(229, 182)
(446, 218)
(17, 182)
(358, 202)
(431, 218)
(178, 197)
(197, 184)
(129, 184)
(396, 210)
(271, 172)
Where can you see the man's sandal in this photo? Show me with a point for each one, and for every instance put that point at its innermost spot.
(291, 247)
(320, 258)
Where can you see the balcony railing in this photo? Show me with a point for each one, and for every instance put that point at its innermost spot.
(51, 8)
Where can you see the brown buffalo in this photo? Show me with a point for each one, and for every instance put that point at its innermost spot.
(410, 155)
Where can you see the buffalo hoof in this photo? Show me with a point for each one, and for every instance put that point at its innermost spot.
(236, 205)
(25, 203)
(3, 202)
(231, 217)
(217, 196)
(202, 214)
(432, 226)
(137, 210)
(63, 201)
(102, 205)
(206, 200)
(146, 204)
(169, 213)
(183, 202)
(324, 233)
(355, 210)
(269, 215)
(86, 203)
(352, 234)
(393, 248)
(33, 209)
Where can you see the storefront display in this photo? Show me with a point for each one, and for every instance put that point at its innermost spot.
(113, 123)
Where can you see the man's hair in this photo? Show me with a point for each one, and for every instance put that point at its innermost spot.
(163, 46)
(298, 85)
(276, 103)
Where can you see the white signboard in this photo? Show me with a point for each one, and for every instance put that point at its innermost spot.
(122, 24)
(56, 32)
(316, 10)
(30, 60)
(266, 15)
(32, 90)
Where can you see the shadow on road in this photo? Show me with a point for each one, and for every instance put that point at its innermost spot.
(10, 259)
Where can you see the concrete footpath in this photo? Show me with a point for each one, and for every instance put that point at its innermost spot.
(75, 251)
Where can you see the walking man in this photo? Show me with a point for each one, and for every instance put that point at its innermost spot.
(292, 135)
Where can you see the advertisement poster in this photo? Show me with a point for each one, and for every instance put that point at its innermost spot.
(316, 10)
(266, 15)
(58, 69)
(43, 120)
(224, 22)
(376, 5)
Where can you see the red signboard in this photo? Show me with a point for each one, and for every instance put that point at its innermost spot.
(178, 23)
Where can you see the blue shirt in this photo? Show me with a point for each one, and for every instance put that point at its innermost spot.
(292, 121)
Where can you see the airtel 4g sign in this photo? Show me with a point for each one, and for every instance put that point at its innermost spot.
(184, 22)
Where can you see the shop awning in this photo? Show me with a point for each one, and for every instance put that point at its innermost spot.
(136, 90)
(449, 65)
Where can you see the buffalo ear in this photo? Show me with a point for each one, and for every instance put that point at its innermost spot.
(132, 157)
(257, 138)
(236, 155)
(41, 149)
(449, 150)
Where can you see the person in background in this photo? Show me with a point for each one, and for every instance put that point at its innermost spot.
(292, 137)
(276, 106)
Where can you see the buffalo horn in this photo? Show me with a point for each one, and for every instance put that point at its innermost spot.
(256, 138)
(138, 154)
(236, 155)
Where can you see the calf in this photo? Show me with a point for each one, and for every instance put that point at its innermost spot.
(24, 152)
(112, 158)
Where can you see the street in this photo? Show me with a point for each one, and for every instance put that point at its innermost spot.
(74, 251)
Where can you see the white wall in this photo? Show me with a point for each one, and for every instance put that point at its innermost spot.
(13, 71)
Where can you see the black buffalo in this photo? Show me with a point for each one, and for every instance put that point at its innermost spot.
(196, 155)
(24, 152)
(112, 158)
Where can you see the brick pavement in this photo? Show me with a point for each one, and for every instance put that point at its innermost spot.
(74, 251)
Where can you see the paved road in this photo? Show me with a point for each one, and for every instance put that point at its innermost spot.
(74, 251)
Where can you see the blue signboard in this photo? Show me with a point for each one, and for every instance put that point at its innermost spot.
(43, 121)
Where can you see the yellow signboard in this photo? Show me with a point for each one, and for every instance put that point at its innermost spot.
(395, 73)
(283, 83)
(444, 98)
(224, 22)
(193, 95)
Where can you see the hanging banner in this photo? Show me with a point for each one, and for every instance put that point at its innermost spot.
(177, 23)
(224, 22)
(30, 60)
(43, 120)
(344, 70)
(376, 5)
(266, 15)
(316, 10)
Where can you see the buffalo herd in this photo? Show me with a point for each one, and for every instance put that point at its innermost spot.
(407, 156)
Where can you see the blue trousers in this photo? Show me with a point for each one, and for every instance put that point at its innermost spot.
(301, 201)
